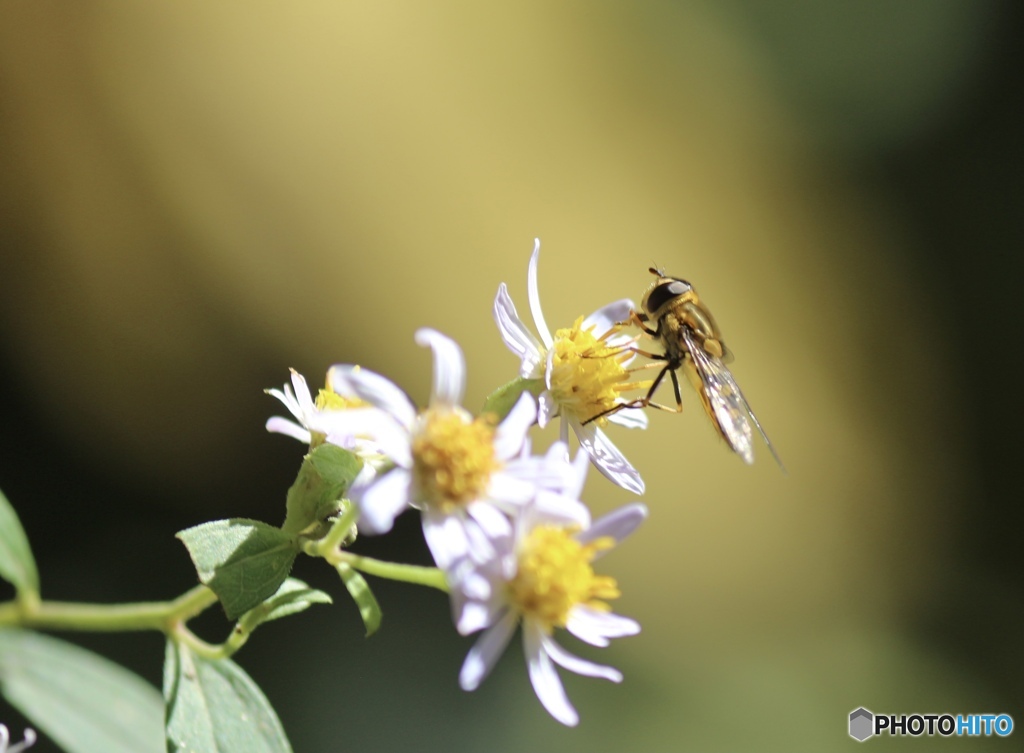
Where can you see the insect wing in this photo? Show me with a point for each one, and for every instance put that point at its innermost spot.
(723, 400)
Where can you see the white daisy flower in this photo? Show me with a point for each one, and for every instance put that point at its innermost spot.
(544, 580)
(467, 475)
(316, 421)
(584, 372)
(300, 404)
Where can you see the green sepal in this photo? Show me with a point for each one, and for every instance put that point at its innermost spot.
(17, 566)
(326, 473)
(213, 706)
(504, 399)
(292, 597)
(361, 594)
(243, 561)
(82, 701)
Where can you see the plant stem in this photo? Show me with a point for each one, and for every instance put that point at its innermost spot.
(146, 615)
(329, 549)
(339, 530)
(421, 576)
(181, 634)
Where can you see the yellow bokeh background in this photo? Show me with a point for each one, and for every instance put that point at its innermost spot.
(195, 193)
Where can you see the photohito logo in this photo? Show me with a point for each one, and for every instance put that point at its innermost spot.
(864, 724)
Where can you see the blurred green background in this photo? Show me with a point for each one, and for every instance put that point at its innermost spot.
(195, 197)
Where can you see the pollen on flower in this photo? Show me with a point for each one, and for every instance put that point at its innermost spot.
(328, 399)
(587, 374)
(554, 575)
(453, 457)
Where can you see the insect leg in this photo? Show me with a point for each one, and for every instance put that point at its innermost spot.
(652, 356)
(640, 320)
(675, 388)
(641, 402)
(637, 319)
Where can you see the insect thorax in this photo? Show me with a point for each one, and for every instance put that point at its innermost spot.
(671, 328)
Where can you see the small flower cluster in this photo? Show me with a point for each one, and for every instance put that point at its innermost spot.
(506, 526)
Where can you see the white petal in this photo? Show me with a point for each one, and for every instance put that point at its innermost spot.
(446, 538)
(527, 519)
(558, 452)
(548, 509)
(607, 458)
(546, 408)
(481, 546)
(561, 510)
(383, 428)
(353, 381)
(612, 625)
(553, 471)
(449, 368)
(631, 418)
(302, 396)
(585, 631)
(288, 398)
(521, 477)
(596, 627)
(575, 664)
(364, 448)
(511, 433)
(494, 525)
(478, 592)
(577, 474)
(382, 501)
(473, 616)
(618, 523)
(544, 678)
(486, 651)
(516, 336)
(475, 586)
(534, 295)
(607, 316)
(366, 476)
(510, 491)
(279, 425)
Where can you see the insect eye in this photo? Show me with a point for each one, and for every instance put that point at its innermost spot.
(664, 293)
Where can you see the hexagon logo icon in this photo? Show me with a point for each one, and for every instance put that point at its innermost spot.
(862, 724)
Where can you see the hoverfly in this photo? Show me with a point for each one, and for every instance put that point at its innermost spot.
(693, 342)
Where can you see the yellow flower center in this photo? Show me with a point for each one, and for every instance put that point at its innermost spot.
(453, 458)
(586, 374)
(554, 575)
(328, 399)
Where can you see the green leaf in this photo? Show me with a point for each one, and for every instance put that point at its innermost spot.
(292, 597)
(84, 702)
(213, 706)
(361, 594)
(325, 475)
(503, 400)
(242, 561)
(16, 563)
